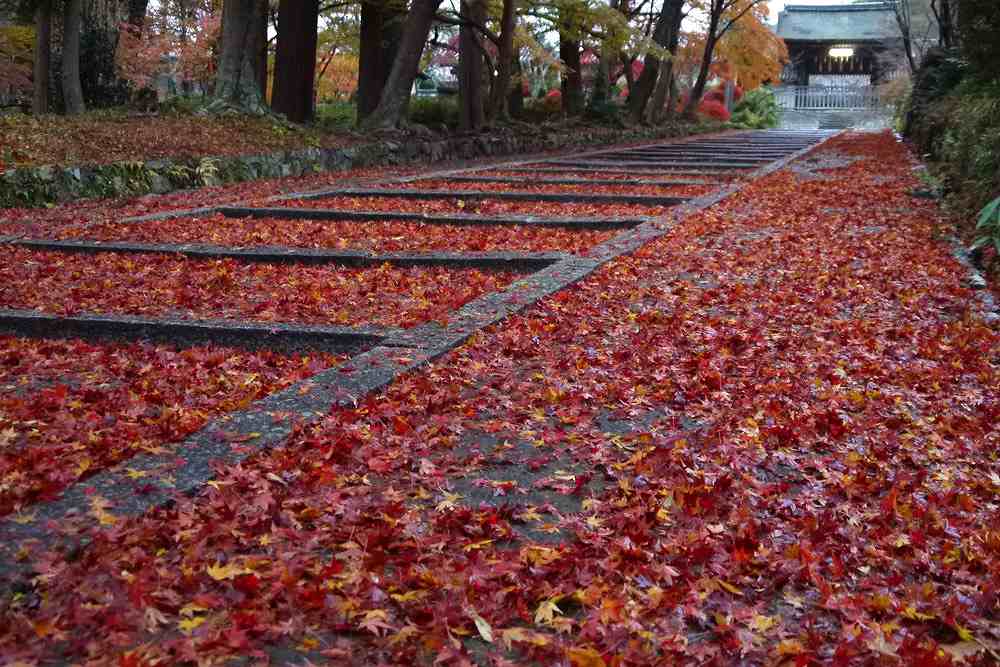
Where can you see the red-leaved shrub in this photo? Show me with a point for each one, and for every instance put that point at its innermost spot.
(713, 109)
(553, 101)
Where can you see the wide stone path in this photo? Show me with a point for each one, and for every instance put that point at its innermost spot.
(477, 454)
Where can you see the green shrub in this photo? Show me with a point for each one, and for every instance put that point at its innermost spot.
(757, 110)
(335, 114)
(988, 227)
(434, 111)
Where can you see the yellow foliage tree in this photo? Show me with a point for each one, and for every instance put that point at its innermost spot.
(752, 51)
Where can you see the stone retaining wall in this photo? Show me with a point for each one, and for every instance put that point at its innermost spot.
(37, 186)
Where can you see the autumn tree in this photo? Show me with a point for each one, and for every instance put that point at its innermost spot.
(722, 15)
(295, 59)
(752, 50)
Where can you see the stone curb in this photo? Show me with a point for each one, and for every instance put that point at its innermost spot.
(36, 186)
(503, 261)
(428, 218)
(251, 334)
(562, 181)
(508, 195)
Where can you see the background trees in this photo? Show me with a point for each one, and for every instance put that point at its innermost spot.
(628, 58)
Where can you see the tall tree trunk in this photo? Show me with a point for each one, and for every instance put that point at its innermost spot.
(628, 73)
(396, 92)
(655, 111)
(470, 67)
(500, 93)
(43, 56)
(572, 81)
(643, 88)
(295, 60)
(706, 60)
(515, 99)
(137, 13)
(261, 66)
(72, 88)
(665, 84)
(236, 81)
(381, 31)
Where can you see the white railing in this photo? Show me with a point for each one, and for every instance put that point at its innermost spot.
(823, 97)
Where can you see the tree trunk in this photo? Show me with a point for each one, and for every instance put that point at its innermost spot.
(515, 99)
(261, 66)
(295, 60)
(381, 31)
(470, 67)
(72, 88)
(628, 73)
(665, 85)
(137, 13)
(499, 95)
(639, 95)
(655, 111)
(396, 92)
(572, 81)
(236, 82)
(706, 61)
(43, 56)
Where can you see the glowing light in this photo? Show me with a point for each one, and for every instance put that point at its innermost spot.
(841, 52)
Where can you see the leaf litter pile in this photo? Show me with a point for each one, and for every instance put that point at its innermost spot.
(623, 175)
(69, 408)
(154, 285)
(561, 188)
(494, 207)
(370, 235)
(769, 437)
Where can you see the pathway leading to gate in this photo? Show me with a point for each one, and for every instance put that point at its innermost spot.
(706, 399)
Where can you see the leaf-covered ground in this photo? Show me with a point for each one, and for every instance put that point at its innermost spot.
(493, 207)
(71, 283)
(69, 408)
(104, 137)
(769, 437)
(44, 222)
(371, 235)
(646, 190)
(607, 175)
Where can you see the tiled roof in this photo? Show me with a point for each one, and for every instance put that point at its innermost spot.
(870, 21)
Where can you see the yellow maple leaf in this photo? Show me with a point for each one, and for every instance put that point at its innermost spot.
(511, 635)
(227, 571)
(449, 502)
(187, 625)
(585, 657)
(729, 587)
(540, 555)
(546, 610)
(762, 624)
(99, 509)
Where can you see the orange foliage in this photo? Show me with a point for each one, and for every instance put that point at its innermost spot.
(752, 51)
(187, 54)
(336, 76)
(748, 53)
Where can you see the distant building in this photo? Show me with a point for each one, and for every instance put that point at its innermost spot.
(850, 44)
